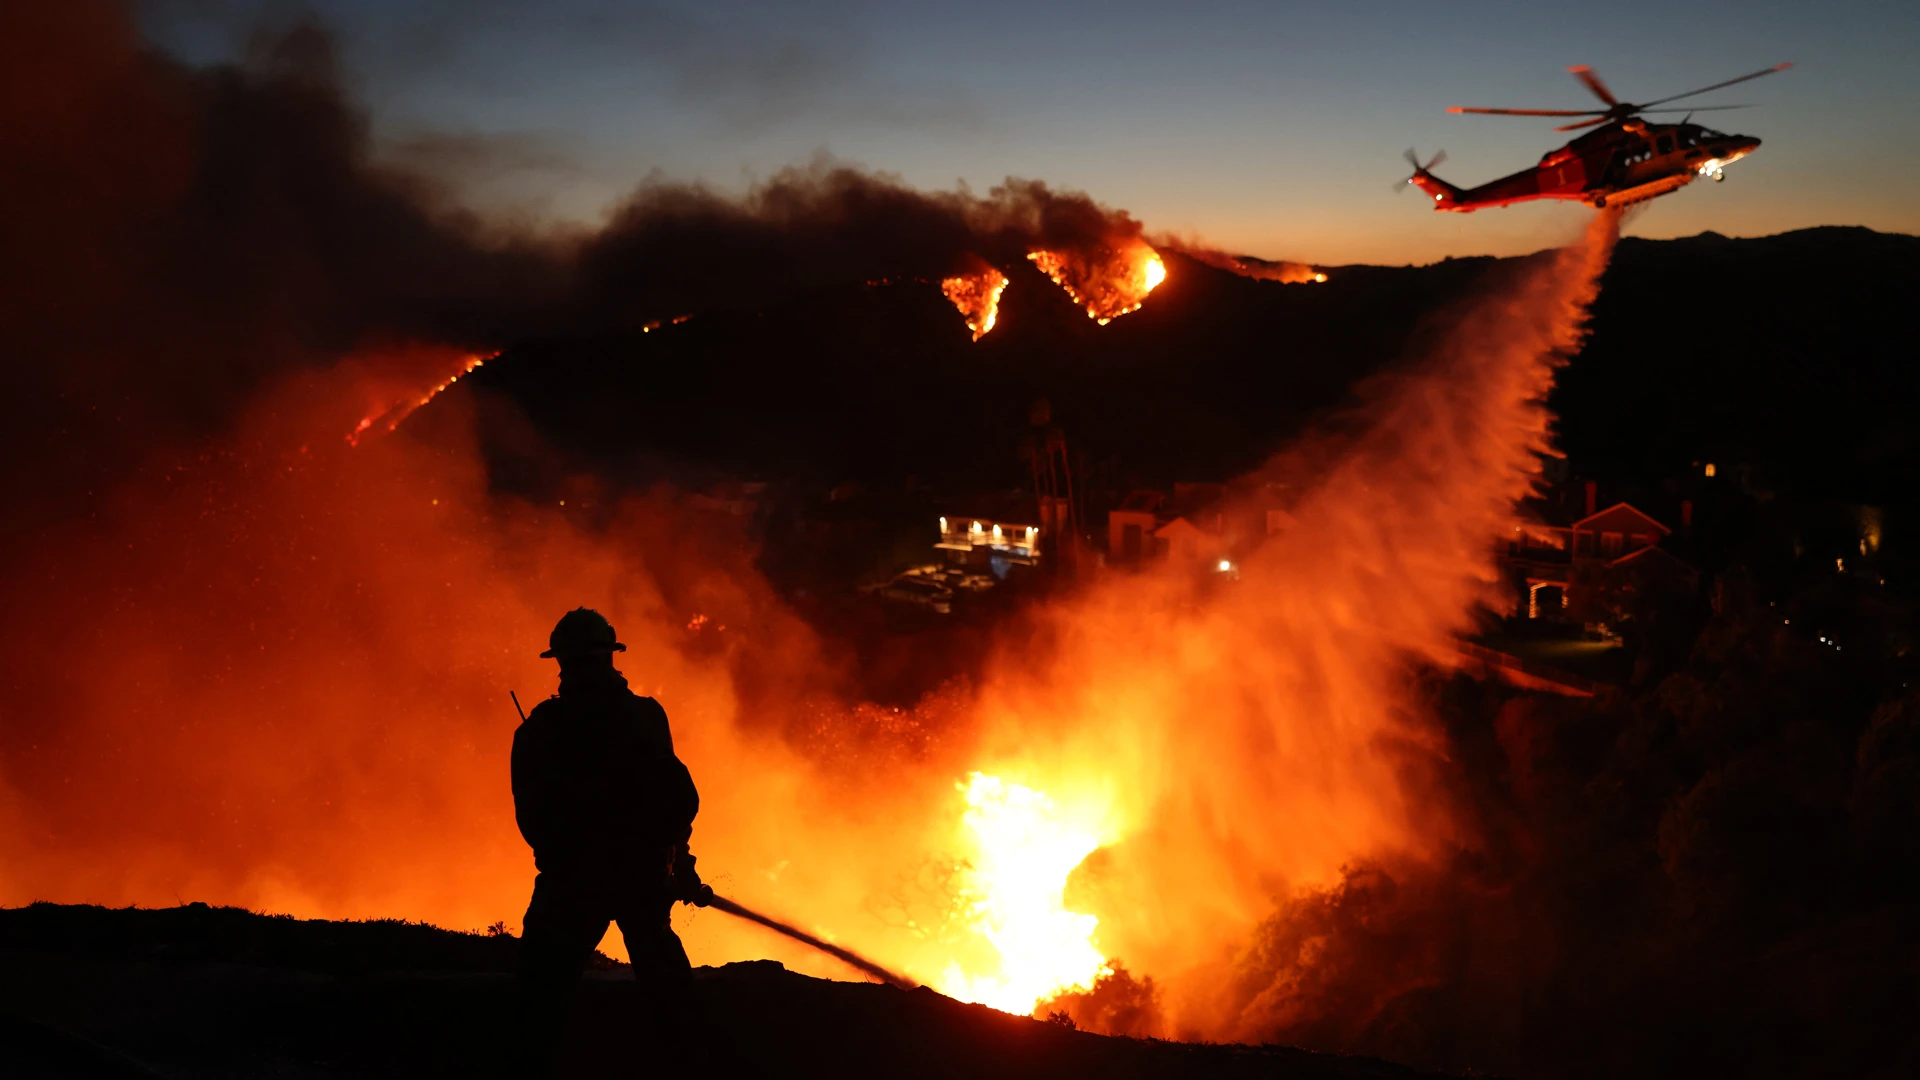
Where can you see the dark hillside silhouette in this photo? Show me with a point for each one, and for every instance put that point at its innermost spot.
(200, 991)
(1789, 355)
(1793, 355)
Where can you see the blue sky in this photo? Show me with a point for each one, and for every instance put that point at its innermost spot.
(1270, 128)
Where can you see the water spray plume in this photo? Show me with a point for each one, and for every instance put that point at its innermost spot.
(1277, 720)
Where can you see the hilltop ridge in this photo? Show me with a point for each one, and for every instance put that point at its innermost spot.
(1698, 345)
(203, 991)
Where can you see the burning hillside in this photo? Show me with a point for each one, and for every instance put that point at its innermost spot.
(255, 662)
(1290, 273)
(977, 297)
(1108, 283)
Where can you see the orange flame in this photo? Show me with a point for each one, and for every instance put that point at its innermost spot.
(650, 327)
(1109, 284)
(1022, 852)
(394, 409)
(1247, 266)
(977, 296)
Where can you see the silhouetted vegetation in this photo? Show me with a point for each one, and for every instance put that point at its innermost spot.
(1712, 873)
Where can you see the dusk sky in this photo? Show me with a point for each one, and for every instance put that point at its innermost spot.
(1269, 128)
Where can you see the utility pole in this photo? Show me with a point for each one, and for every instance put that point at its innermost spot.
(1047, 458)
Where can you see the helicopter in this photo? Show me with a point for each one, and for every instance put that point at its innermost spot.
(1624, 160)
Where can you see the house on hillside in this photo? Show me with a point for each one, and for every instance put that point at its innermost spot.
(1131, 527)
(1186, 540)
(1588, 571)
(1190, 526)
(992, 534)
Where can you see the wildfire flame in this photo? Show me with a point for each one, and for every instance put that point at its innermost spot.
(1023, 849)
(1110, 285)
(1248, 266)
(394, 411)
(977, 296)
(648, 328)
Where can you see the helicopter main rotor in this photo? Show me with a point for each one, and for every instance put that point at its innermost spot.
(1617, 109)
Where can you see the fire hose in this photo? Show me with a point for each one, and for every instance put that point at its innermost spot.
(845, 955)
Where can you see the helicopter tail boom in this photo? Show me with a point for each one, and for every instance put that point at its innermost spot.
(1444, 195)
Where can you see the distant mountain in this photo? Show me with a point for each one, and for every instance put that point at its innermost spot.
(1791, 354)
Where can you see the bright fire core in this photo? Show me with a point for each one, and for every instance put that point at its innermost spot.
(1107, 284)
(1023, 850)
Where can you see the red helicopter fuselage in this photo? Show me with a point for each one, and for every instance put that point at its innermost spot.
(1624, 162)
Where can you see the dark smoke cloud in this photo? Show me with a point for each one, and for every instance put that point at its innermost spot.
(674, 248)
(480, 157)
(174, 237)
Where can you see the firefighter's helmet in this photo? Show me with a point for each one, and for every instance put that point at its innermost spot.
(582, 630)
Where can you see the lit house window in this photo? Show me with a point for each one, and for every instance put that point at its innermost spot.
(1709, 468)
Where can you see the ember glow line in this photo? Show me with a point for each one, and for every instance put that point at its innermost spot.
(399, 412)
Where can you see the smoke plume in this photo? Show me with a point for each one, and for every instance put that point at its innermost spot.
(175, 238)
(178, 237)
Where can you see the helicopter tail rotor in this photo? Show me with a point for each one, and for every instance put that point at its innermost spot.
(1445, 195)
(1419, 171)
